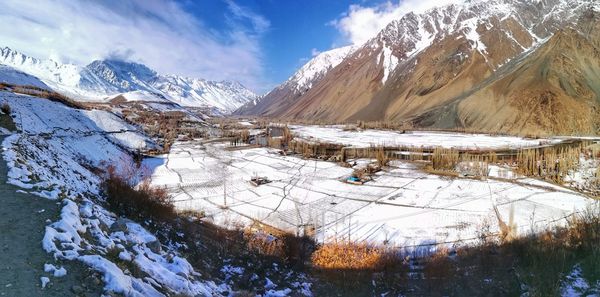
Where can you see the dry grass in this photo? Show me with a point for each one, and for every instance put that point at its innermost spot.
(501, 264)
(263, 243)
(348, 256)
(43, 93)
(536, 263)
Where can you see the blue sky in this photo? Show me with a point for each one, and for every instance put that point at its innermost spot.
(259, 43)
(297, 29)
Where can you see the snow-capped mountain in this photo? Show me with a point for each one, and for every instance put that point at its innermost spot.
(193, 92)
(317, 68)
(516, 66)
(110, 76)
(47, 70)
(299, 83)
(107, 79)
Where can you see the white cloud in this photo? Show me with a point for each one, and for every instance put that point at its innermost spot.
(361, 23)
(160, 34)
(314, 52)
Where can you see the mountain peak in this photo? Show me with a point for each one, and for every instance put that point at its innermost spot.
(121, 76)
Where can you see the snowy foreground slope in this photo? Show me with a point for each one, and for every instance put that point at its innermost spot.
(107, 79)
(48, 157)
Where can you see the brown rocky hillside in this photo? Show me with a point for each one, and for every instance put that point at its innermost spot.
(522, 67)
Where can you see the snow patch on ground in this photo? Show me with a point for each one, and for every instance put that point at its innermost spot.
(45, 281)
(12, 76)
(389, 63)
(57, 272)
(575, 285)
(369, 137)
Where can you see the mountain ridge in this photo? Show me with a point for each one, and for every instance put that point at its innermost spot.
(106, 79)
(299, 83)
(420, 67)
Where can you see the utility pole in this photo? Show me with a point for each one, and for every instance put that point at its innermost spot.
(336, 227)
(323, 226)
(349, 227)
(225, 192)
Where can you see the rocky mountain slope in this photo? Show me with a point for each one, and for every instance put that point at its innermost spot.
(107, 79)
(501, 65)
(301, 82)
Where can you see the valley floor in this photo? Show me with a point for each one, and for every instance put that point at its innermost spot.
(338, 134)
(403, 206)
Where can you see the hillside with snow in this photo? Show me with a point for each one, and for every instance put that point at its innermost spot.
(57, 153)
(12, 76)
(106, 79)
(298, 84)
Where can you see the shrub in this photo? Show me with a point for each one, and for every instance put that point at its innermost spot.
(5, 108)
(264, 244)
(142, 202)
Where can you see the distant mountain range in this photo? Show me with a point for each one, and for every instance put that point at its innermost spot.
(514, 66)
(107, 79)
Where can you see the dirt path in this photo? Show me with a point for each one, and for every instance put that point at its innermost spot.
(23, 218)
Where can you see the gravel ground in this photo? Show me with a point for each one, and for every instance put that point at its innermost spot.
(23, 218)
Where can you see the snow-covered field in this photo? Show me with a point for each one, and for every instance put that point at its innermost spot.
(403, 206)
(369, 137)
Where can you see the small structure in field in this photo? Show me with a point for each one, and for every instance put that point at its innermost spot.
(355, 180)
(258, 180)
